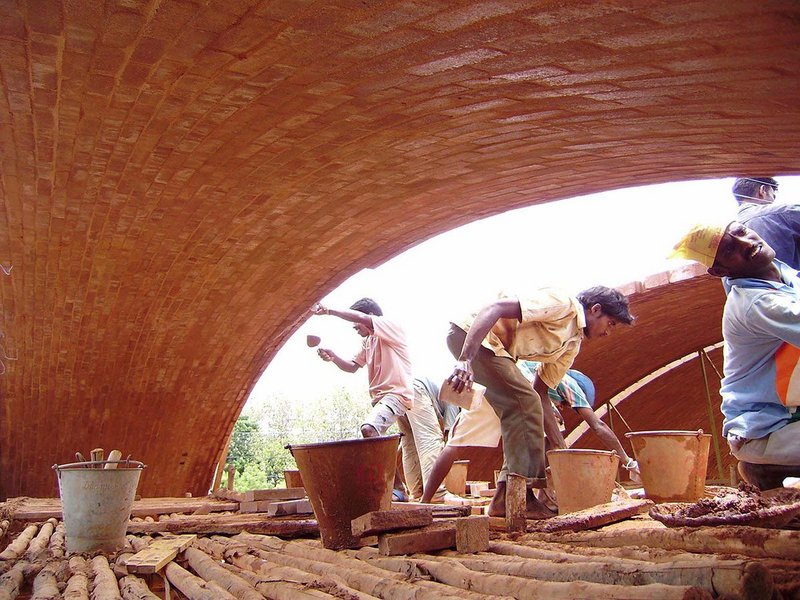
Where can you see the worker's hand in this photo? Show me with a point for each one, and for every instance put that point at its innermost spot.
(325, 354)
(319, 309)
(462, 376)
(633, 470)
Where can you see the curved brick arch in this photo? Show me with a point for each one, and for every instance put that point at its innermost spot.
(181, 178)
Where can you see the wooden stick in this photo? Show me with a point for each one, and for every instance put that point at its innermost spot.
(45, 584)
(747, 541)
(18, 546)
(105, 582)
(113, 456)
(194, 587)
(208, 569)
(97, 457)
(231, 477)
(134, 588)
(289, 589)
(742, 579)
(457, 576)
(12, 580)
(78, 583)
(228, 524)
(37, 549)
(516, 503)
(56, 545)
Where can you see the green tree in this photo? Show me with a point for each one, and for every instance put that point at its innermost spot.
(245, 443)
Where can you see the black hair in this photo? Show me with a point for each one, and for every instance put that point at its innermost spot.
(367, 306)
(746, 188)
(613, 302)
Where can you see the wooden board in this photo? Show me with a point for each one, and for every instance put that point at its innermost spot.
(229, 525)
(161, 551)
(274, 495)
(41, 509)
(593, 517)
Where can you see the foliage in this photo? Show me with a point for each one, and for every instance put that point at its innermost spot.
(260, 434)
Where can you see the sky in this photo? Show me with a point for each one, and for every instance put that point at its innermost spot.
(610, 239)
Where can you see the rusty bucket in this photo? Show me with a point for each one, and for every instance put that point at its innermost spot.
(345, 480)
(673, 463)
(582, 478)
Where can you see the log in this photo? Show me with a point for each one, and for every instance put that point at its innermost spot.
(457, 576)
(229, 525)
(359, 579)
(207, 568)
(289, 589)
(381, 521)
(12, 580)
(746, 541)
(134, 588)
(56, 546)
(105, 582)
(426, 539)
(20, 544)
(516, 503)
(193, 587)
(45, 584)
(741, 579)
(37, 549)
(590, 518)
(78, 584)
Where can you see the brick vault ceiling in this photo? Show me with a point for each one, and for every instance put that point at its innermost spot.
(180, 179)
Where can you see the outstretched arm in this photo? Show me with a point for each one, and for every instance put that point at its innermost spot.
(604, 432)
(327, 355)
(506, 308)
(353, 316)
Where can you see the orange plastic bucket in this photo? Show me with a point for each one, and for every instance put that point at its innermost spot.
(345, 480)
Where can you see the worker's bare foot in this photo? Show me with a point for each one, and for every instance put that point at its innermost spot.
(497, 507)
(535, 509)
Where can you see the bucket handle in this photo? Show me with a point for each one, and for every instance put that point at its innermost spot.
(90, 464)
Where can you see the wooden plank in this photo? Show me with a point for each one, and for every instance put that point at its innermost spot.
(427, 539)
(161, 551)
(274, 495)
(516, 503)
(229, 525)
(381, 521)
(290, 507)
(590, 518)
(472, 534)
(41, 509)
(440, 511)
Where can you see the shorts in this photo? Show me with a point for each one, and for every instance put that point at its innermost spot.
(781, 447)
(479, 427)
(385, 413)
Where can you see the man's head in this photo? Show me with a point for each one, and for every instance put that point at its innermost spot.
(756, 190)
(730, 250)
(604, 308)
(368, 306)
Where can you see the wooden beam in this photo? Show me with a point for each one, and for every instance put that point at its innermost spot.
(161, 551)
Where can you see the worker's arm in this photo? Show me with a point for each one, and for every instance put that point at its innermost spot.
(353, 316)
(506, 308)
(604, 432)
(327, 355)
(551, 428)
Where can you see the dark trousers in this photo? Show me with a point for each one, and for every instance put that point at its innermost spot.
(516, 403)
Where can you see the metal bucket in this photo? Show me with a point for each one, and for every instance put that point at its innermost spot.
(673, 463)
(96, 503)
(345, 480)
(582, 478)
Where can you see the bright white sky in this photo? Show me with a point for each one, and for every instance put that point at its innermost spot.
(602, 239)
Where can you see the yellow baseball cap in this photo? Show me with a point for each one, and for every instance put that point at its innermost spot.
(700, 243)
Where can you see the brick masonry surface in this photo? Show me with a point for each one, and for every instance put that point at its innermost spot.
(181, 179)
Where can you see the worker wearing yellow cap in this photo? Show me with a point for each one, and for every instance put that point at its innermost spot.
(761, 328)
